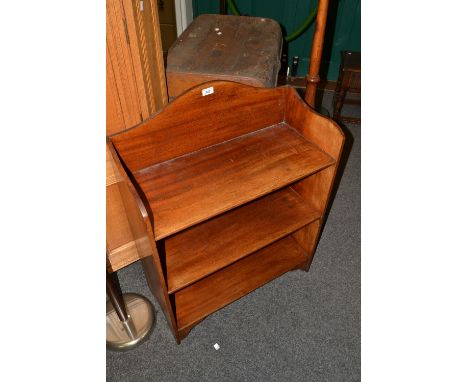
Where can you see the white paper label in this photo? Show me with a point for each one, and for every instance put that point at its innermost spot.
(207, 91)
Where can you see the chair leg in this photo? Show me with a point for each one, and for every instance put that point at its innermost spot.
(339, 100)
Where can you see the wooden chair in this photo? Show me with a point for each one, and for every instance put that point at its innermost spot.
(349, 80)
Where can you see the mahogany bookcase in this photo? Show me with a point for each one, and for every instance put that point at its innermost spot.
(230, 185)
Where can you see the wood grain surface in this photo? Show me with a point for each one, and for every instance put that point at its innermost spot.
(216, 243)
(196, 187)
(135, 89)
(230, 189)
(194, 121)
(221, 288)
(119, 233)
(141, 227)
(119, 60)
(315, 189)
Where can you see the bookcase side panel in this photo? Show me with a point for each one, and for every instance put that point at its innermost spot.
(315, 189)
(141, 227)
(322, 131)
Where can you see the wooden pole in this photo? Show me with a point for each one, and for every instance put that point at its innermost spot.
(222, 7)
(316, 53)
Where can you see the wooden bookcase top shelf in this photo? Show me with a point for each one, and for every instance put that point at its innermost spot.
(231, 183)
(193, 188)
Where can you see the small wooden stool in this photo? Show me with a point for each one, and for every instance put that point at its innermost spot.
(222, 47)
(349, 80)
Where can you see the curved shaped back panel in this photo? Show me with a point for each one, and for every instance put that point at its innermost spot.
(203, 116)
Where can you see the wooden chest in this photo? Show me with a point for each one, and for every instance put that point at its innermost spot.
(222, 47)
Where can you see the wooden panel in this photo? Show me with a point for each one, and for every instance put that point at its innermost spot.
(136, 82)
(122, 256)
(196, 187)
(135, 85)
(129, 9)
(324, 132)
(196, 121)
(118, 233)
(140, 226)
(328, 136)
(155, 72)
(112, 175)
(121, 60)
(212, 245)
(315, 189)
(147, 53)
(114, 116)
(121, 246)
(177, 83)
(136, 222)
(306, 237)
(212, 293)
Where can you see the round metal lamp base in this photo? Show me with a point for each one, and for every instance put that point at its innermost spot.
(125, 335)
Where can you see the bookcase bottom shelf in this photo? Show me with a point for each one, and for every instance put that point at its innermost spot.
(210, 294)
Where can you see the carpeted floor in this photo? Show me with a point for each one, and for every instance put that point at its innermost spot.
(299, 327)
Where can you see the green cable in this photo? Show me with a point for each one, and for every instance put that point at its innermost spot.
(233, 7)
(303, 27)
(235, 11)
